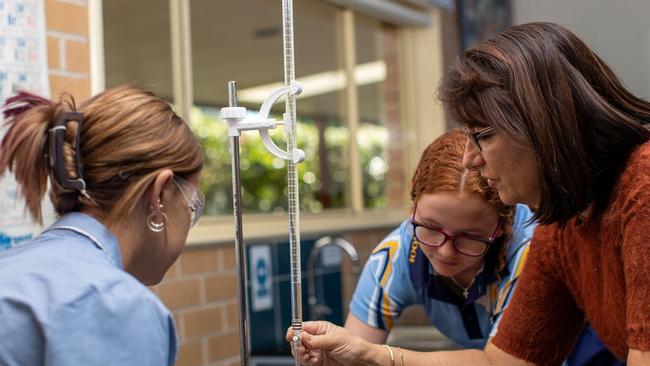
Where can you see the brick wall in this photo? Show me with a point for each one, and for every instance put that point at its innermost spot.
(201, 291)
(68, 55)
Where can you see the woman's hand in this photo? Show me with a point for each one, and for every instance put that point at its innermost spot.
(325, 344)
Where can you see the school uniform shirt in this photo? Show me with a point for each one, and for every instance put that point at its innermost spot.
(397, 274)
(65, 300)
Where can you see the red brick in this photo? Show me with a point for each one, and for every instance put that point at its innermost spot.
(53, 52)
(178, 294)
(190, 354)
(79, 88)
(202, 322)
(220, 287)
(77, 57)
(222, 347)
(228, 259)
(199, 261)
(232, 316)
(66, 17)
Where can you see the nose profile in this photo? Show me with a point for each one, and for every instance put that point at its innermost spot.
(472, 157)
(447, 248)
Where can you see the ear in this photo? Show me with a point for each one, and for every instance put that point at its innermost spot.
(154, 196)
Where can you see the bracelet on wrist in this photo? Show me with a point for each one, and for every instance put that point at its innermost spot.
(392, 356)
(401, 356)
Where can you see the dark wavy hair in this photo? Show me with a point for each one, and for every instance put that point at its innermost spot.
(541, 85)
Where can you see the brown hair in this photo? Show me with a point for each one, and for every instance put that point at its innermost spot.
(441, 169)
(541, 85)
(127, 136)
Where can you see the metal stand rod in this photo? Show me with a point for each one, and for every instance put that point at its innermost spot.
(242, 294)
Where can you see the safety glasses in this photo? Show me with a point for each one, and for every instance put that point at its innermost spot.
(464, 244)
(194, 197)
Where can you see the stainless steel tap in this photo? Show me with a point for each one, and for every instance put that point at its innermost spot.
(316, 310)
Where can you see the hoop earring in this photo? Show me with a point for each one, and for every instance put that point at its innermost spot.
(154, 226)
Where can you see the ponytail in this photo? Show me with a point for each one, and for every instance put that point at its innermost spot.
(24, 150)
(24, 147)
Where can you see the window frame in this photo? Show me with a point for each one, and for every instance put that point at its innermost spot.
(423, 120)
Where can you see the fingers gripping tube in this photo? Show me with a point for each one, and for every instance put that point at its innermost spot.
(235, 115)
(296, 339)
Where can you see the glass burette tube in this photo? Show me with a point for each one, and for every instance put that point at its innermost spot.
(292, 177)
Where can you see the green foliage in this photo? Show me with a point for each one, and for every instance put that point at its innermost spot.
(264, 177)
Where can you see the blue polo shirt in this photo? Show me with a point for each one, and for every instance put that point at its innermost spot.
(398, 275)
(65, 300)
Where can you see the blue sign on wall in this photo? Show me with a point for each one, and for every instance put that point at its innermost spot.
(261, 270)
(269, 292)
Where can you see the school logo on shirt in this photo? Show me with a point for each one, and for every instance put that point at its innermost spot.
(413, 252)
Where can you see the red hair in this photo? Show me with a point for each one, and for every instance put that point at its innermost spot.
(441, 169)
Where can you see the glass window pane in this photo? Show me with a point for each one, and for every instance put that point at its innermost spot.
(246, 46)
(138, 48)
(380, 130)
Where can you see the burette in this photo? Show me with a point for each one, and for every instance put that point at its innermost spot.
(235, 116)
(292, 177)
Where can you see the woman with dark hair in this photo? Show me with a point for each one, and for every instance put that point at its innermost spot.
(550, 125)
(123, 171)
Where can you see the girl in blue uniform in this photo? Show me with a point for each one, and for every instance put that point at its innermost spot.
(458, 255)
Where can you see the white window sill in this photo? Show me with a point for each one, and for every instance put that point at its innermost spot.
(264, 227)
